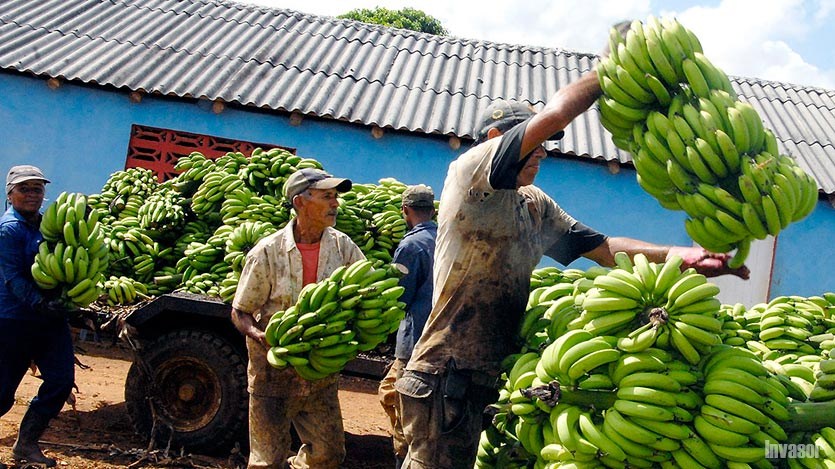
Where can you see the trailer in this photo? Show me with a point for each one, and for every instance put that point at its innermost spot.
(187, 385)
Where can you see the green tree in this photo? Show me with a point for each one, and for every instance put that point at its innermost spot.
(407, 18)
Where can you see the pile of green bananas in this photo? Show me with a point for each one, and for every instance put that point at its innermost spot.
(73, 254)
(379, 207)
(192, 232)
(353, 310)
(694, 145)
(628, 393)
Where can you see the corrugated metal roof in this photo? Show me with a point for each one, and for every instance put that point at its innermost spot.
(345, 70)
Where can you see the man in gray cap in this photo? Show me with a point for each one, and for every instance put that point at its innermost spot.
(307, 250)
(416, 251)
(32, 328)
(494, 226)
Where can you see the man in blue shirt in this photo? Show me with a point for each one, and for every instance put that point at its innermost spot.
(416, 251)
(32, 328)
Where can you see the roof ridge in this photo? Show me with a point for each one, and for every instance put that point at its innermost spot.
(782, 84)
(358, 25)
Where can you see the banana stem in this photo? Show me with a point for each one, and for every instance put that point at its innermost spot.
(809, 416)
(553, 393)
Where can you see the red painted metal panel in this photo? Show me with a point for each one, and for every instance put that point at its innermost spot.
(159, 149)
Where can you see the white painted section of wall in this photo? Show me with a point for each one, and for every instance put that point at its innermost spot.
(755, 289)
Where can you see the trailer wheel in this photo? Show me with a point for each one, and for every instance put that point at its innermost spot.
(200, 382)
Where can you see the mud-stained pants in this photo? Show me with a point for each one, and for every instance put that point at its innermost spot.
(317, 420)
(391, 405)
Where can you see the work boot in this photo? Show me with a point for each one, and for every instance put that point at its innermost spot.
(26, 447)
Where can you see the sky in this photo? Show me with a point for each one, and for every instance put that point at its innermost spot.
(779, 40)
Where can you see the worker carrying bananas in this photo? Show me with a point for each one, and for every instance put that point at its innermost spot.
(33, 327)
(416, 251)
(494, 226)
(306, 251)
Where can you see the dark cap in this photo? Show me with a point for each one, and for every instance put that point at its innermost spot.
(419, 196)
(503, 115)
(312, 178)
(21, 173)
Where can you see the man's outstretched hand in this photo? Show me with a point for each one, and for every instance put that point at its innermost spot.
(710, 264)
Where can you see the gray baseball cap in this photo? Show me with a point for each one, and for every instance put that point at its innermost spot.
(22, 173)
(503, 115)
(312, 178)
(419, 195)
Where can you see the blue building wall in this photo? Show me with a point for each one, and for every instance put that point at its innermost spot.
(79, 135)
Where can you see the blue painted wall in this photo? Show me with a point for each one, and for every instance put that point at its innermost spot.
(79, 135)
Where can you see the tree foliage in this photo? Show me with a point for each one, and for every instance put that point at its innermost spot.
(406, 18)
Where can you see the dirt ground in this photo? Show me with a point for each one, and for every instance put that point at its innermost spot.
(98, 435)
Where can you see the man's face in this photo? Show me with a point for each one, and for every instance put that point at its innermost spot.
(528, 173)
(320, 207)
(27, 197)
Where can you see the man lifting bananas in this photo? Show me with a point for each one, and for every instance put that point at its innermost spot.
(494, 227)
(307, 250)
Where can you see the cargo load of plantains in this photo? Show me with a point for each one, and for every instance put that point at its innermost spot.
(641, 366)
(139, 237)
(695, 145)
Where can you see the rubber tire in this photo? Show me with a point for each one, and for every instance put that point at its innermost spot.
(212, 367)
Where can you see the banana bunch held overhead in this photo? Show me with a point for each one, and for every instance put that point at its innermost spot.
(694, 145)
(73, 255)
(353, 310)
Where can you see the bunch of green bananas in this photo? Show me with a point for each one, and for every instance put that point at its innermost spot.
(131, 181)
(242, 238)
(124, 290)
(823, 382)
(496, 450)
(353, 310)
(546, 276)
(73, 254)
(695, 146)
(163, 210)
(823, 441)
(786, 325)
(267, 171)
(192, 168)
(243, 205)
(646, 304)
(228, 286)
(213, 188)
(743, 405)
